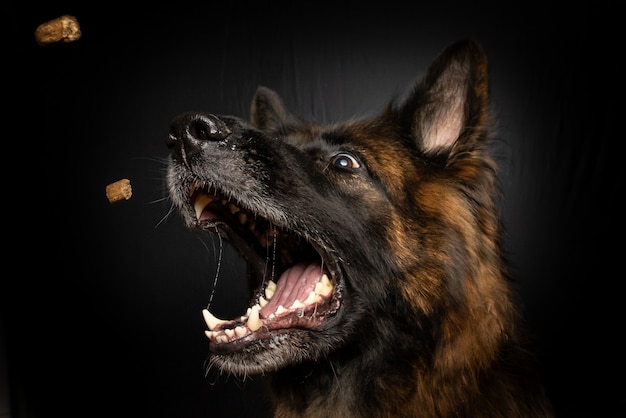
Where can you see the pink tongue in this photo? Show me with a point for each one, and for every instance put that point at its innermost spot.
(296, 282)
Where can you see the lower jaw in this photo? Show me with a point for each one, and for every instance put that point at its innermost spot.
(281, 328)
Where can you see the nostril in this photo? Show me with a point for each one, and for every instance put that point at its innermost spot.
(200, 130)
(208, 128)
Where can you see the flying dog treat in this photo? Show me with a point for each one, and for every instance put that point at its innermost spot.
(120, 190)
(60, 30)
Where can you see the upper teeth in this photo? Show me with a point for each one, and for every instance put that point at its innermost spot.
(201, 202)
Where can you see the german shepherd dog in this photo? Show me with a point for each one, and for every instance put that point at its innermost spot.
(379, 283)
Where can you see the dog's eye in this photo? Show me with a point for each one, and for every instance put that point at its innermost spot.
(345, 161)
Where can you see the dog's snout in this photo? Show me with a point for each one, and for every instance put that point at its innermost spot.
(189, 131)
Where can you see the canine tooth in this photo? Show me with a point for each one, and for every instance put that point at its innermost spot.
(240, 331)
(233, 208)
(296, 305)
(319, 287)
(262, 301)
(194, 187)
(230, 333)
(243, 218)
(254, 322)
(201, 202)
(210, 319)
(324, 279)
(312, 298)
(324, 287)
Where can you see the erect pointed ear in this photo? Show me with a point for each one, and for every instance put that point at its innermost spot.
(267, 110)
(450, 104)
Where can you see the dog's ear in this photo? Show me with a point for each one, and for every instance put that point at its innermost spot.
(449, 105)
(267, 111)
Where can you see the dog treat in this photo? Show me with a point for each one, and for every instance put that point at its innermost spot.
(60, 30)
(119, 190)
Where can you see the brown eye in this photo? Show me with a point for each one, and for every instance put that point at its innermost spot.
(345, 161)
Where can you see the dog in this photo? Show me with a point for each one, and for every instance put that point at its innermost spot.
(379, 284)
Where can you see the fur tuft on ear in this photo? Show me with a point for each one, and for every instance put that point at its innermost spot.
(450, 103)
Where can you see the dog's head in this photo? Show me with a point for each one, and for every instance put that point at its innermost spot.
(334, 220)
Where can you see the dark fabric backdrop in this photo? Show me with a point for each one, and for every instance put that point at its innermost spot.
(101, 303)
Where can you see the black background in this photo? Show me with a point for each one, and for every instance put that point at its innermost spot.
(101, 302)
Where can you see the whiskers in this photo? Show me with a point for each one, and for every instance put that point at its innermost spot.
(169, 212)
(161, 178)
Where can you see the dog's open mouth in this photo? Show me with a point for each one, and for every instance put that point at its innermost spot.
(296, 278)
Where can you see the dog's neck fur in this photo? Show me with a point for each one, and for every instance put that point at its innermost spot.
(326, 388)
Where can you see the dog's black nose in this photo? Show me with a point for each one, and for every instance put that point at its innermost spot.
(189, 131)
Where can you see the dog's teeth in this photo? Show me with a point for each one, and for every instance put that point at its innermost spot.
(325, 280)
(269, 291)
(193, 188)
(254, 322)
(262, 301)
(297, 305)
(240, 331)
(312, 298)
(210, 334)
(324, 287)
(281, 309)
(201, 202)
(271, 284)
(210, 319)
(230, 333)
